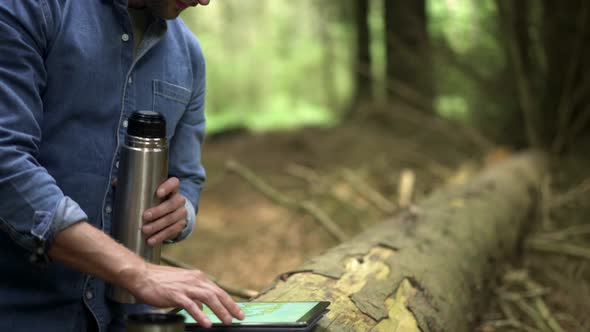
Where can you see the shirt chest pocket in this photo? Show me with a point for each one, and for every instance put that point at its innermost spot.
(171, 101)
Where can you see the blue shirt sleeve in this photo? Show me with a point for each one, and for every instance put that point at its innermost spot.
(185, 146)
(33, 208)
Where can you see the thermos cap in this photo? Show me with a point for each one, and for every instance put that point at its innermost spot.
(146, 124)
(154, 322)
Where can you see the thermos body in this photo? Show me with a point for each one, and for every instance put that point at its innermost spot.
(144, 163)
(143, 167)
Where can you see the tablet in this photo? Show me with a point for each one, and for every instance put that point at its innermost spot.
(266, 316)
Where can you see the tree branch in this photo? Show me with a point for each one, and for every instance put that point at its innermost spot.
(308, 207)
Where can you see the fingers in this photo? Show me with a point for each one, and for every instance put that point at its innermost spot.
(168, 233)
(233, 308)
(169, 186)
(190, 290)
(171, 204)
(211, 299)
(216, 299)
(219, 302)
(196, 311)
(167, 227)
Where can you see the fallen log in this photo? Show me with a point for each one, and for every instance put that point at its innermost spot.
(425, 270)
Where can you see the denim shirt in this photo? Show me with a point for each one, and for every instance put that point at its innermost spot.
(68, 82)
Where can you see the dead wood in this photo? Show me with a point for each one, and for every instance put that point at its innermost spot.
(369, 193)
(529, 301)
(558, 247)
(310, 208)
(571, 195)
(423, 271)
(406, 188)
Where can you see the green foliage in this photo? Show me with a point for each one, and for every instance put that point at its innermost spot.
(282, 64)
(469, 28)
(452, 107)
(266, 64)
(377, 31)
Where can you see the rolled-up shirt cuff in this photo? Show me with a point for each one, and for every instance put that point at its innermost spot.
(47, 225)
(68, 213)
(190, 223)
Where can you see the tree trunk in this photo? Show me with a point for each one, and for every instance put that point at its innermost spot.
(427, 270)
(408, 60)
(362, 72)
(566, 29)
(514, 20)
(329, 56)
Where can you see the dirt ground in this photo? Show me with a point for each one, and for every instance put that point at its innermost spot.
(246, 239)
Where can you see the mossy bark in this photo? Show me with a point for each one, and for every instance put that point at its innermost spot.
(426, 270)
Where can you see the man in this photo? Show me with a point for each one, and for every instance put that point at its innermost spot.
(71, 72)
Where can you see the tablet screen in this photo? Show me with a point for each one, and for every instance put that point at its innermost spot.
(263, 312)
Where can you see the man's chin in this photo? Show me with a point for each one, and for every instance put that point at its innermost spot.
(163, 9)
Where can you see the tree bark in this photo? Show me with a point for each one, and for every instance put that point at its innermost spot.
(427, 270)
(362, 72)
(407, 45)
(566, 29)
(517, 41)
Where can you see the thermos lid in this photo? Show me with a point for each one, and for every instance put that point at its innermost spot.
(155, 322)
(147, 124)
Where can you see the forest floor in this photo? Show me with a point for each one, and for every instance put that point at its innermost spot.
(550, 281)
(246, 238)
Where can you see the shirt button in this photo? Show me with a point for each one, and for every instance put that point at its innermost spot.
(130, 80)
(125, 37)
(89, 295)
(108, 209)
(125, 123)
(117, 164)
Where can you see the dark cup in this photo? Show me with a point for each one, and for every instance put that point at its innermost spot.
(155, 322)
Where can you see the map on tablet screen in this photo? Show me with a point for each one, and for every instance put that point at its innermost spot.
(263, 312)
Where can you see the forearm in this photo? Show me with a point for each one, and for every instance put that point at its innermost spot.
(89, 250)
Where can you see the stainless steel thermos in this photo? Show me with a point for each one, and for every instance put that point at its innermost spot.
(143, 166)
(155, 322)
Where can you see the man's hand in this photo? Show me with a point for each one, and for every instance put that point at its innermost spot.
(163, 286)
(91, 251)
(168, 219)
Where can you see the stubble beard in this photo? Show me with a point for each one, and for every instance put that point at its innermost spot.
(165, 9)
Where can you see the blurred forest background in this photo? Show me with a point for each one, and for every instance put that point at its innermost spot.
(514, 69)
(335, 104)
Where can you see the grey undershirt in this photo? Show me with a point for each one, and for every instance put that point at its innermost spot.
(140, 18)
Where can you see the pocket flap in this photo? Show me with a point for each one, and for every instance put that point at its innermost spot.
(172, 91)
